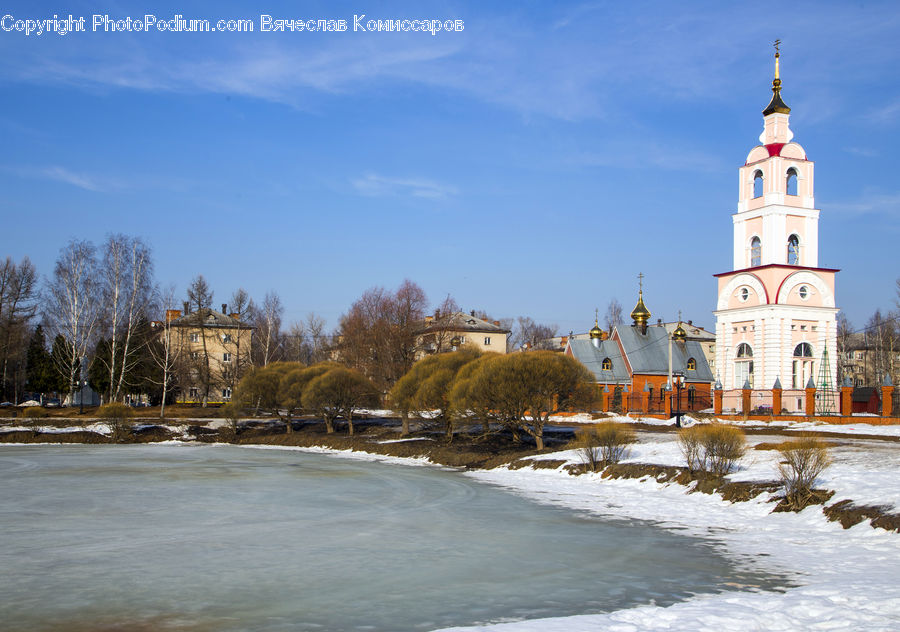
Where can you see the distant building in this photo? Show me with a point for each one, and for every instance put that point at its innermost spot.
(866, 363)
(646, 358)
(213, 350)
(443, 333)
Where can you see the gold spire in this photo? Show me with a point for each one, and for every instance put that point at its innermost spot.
(640, 314)
(776, 104)
(596, 332)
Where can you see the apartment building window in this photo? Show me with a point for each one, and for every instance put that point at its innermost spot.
(226, 338)
(195, 355)
(487, 340)
(226, 357)
(226, 393)
(193, 392)
(195, 337)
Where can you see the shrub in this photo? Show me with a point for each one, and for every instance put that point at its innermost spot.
(115, 415)
(713, 448)
(605, 443)
(35, 412)
(803, 461)
(689, 442)
(232, 412)
(723, 446)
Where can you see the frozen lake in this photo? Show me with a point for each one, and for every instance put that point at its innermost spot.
(224, 538)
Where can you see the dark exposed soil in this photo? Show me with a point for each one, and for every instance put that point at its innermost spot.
(474, 450)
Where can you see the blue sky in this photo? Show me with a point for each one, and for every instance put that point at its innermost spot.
(532, 164)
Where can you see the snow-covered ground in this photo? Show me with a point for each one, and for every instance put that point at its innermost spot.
(845, 579)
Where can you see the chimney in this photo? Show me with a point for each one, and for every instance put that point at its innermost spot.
(187, 308)
(172, 314)
(690, 322)
(429, 319)
(497, 322)
(473, 312)
(235, 316)
(224, 308)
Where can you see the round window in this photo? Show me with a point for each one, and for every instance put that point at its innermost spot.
(745, 293)
(804, 292)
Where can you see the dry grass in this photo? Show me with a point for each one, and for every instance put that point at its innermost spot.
(117, 416)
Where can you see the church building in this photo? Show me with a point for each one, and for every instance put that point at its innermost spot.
(776, 314)
(647, 361)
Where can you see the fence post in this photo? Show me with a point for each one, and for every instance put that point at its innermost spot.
(604, 399)
(625, 399)
(847, 397)
(887, 397)
(810, 397)
(717, 399)
(745, 399)
(667, 401)
(776, 397)
(645, 399)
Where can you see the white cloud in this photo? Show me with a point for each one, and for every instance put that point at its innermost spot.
(374, 185)
(65, 175)
(869, 203)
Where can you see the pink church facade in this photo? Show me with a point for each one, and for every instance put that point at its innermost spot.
(776, 312)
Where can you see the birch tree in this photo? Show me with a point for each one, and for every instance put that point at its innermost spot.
(125, 285)
(269, 345)
(18, 304)
(164, 350)
(72, 306)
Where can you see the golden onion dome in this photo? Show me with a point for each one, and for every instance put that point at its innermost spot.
(596, 332)
(640, 314)
(776, 104)
(679, 334)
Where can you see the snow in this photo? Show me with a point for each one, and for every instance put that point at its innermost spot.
(846, 579)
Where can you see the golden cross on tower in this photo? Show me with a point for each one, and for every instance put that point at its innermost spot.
(679, 315)
(596, 315)
(777, 44)
(641, 281)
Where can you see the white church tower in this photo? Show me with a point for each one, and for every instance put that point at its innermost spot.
(776, 312)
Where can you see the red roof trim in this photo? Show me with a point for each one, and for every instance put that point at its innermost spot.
(775, 148)
(777, 265)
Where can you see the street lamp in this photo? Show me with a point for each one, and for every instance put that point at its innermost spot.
(679, 384)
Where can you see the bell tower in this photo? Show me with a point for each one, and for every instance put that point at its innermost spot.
(776, 302)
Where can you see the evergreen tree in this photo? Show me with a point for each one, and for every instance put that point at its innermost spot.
(40, 376)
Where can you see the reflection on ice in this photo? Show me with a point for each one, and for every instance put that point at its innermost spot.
(224, 538)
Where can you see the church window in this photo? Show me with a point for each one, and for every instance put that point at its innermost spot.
(803, 292)
(793, 250)
(791, 181)
(691, 364)
(692, 396)
(757, 184)
(755, 252)
(743, 365)
(745, 293)
(802, 367)
(607, 364)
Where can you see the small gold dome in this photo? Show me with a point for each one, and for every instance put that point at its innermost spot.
(679, 334)
(640, 314)
(596, 332)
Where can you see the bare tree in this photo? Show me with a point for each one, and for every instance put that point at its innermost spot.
(317, 338)
(72, 305)
(200, 297)
(269, 347)
(126, 285)
(242, 308)
(164, 351)
(18, 303)
(440, 330)
(378, 334)
(613, 315)
(531, 336)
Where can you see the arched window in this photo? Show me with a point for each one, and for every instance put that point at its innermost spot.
(691, 364)
(803, 365)
(757, 184)
(743, 366)
(692, 396)
(793, 250)
(607, 364)
(791, 181)
(755, 252)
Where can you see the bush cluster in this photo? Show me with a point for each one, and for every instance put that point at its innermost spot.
(116, 416)
(285, 388)
(605, 443)
(803, 460)
(35, 412)
(714, 448)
